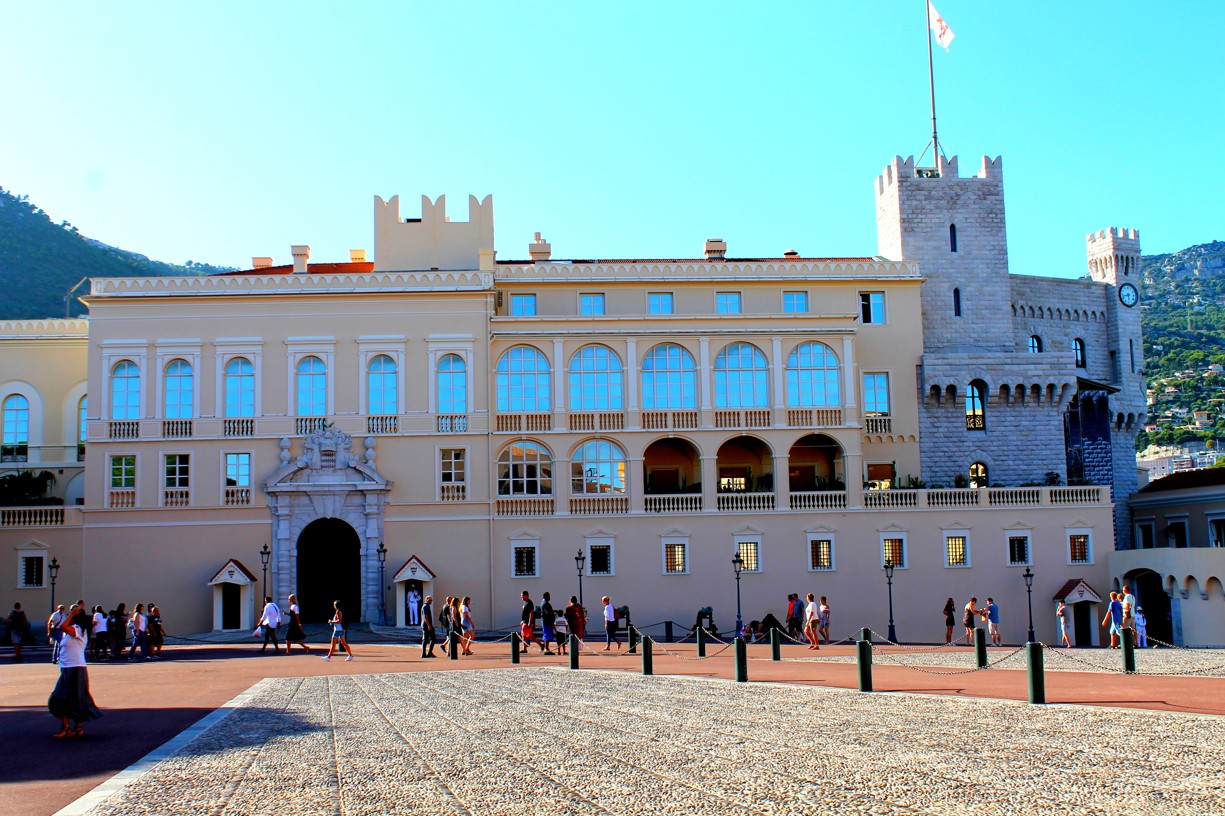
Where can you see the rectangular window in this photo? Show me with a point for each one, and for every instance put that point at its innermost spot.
(659, 303)
(31, 571)
(1216, 533)
(525, 560)
(591, 304)
(795, 302)
(452, 474)
(1176, 534)
(676, 557)
(600, 559)
(523, 305)
(177, 470)
(1079, 550)
(1018, 550)
(820, 554)
(871, 307)
(893, 551)
(749, 555)
(1144, 535)
(238, 470)
(727, 302)
(956, 551)
(881, 475)
(123, 471)
(876, 394)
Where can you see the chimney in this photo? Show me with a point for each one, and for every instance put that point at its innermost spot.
(540, 249)
(791, 253)
(261, 263)
(716, 249)
(301, 254)
(357, 256)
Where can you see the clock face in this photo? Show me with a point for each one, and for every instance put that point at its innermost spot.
(1128, 295)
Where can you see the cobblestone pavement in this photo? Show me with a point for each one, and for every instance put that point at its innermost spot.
(1173, 662)
(551, 741)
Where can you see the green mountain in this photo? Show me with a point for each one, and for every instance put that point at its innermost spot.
(41, 260)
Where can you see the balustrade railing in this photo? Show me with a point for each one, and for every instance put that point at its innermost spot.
(32, 516)
(596, 421)
(1014, 496)
(123, 429)
(238, 427)
(814, 417)
(669, 420)
(748, 418)
(452, 423)
(305, 425)
(607, 505)
(673, 503)
(818, 500)
(176, 497)
(1077, 495)
(891, 499)
(176, 428)
(878, 424)
(525, 506)
(745, 502)
(237, 496)
(957, 497)
(524, 423)
(385, 424)
(453, 492)
(121, 497)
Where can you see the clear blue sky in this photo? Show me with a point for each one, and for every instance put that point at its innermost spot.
(217, 131)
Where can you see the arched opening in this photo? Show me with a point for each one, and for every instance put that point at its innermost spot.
(815, 464)
(329, 569)
(952, 237)
(978, 475)
(956, 302)
(1152, 598)
(671, 467)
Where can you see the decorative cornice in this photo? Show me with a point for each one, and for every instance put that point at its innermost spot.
(44, 328)
(710, 271)
(231, 285)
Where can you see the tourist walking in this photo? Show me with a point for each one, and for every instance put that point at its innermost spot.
(1114, 619)
(1061, 615)
(17, 623)
(1142, 628)
(295, 633)
(823, 620)
(527, 623)
(1129, 610)
(576, 618)
(456, 634)
(967, 619)
(795, 615)
(548, 617)
(140, 633)
(444, 621)
(269, 621)
(71, 700)
(428, 635)
(993, 622)
(610, 625)
(100, 641)
(950, 611)
(339, 635)
(812, 619)
(117, 627)
(156, 632)
(54, 632)
(467, 625)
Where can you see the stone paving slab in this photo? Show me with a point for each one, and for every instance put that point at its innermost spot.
(550, 741)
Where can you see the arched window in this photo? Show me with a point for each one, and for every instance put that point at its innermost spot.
(598, 467)
(179, 390)
(595, 380)
(452, 385)
(741, 377)
(525, 469)
(1035, 344)
(15, 418)
(1078, 349)
(978, 475)
(523, 380)
(668, 378)
(82, 414)
(956, 303)
(976, 401)
(952, 237)
(381, 386)
(239, 388)
(813, 376)
(125, 390)
(312, 387)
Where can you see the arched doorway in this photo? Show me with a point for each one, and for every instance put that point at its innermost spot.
(329, 569)
(1153, 599)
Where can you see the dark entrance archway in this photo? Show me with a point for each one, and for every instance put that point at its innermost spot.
(329, 569)
(231, 606)
(1152, 598)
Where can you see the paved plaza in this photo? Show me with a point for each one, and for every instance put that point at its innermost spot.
(547, 740)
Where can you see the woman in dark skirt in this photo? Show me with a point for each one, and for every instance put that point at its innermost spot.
(71, 701)
(296, 633)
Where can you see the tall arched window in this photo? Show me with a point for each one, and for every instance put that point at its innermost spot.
(179, 390)
(125, 390)
(239, 388)
(976, 401)
(381, 386)
(978, 475)
(598, 467)
(1035, 344)
(952, 237)
(1078, 349)
(82, 414)
(452, 385)
(813, 376)
(312, 387)
(956, 302)
(525, 469)
(741, 377)
(523, 380)
(669, 379)
(595, 380)
(15, 418)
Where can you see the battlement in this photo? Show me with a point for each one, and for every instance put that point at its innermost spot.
(1113, 254)
(945, 170)
(432, 241)
(1113, 239)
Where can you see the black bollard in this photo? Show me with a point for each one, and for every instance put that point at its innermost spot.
(863, 651)
(980, 647)
(668, 632)
(701, 642)
(865, 634)
(742, 661)
(633, 637)
(776, 650)
(1037, 680)
(1129, 651)
(514, 647)
(454, 653)
(648, 663)
(575, 646)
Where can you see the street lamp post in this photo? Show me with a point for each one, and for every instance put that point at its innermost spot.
(265, 556)
(1028, 575)
(889, 580)
(580, 559)
(382, 552)
(738, 566)
(54, 569)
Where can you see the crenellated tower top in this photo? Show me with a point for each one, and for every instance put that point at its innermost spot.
(1113, 254)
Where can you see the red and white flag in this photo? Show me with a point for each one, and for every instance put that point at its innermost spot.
(944, 34)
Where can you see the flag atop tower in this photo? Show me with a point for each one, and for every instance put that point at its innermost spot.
(944, 34)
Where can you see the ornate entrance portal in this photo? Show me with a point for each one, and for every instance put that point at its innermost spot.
(327, 520)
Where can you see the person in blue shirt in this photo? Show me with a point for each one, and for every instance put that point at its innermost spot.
(1114, 619)
(993, 622)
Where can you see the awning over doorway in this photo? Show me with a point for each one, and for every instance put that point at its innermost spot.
(1077, 590)
(233, 572)
(414, 569)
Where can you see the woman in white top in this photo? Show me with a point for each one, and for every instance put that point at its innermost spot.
(812, 618)
(99, 633)
(71, 701)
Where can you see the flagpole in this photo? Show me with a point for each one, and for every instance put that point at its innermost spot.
(931, 84)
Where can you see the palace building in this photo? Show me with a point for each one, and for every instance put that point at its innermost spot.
(434, 418)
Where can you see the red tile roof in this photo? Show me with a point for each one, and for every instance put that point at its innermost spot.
(1187, 479)
(311, 269)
